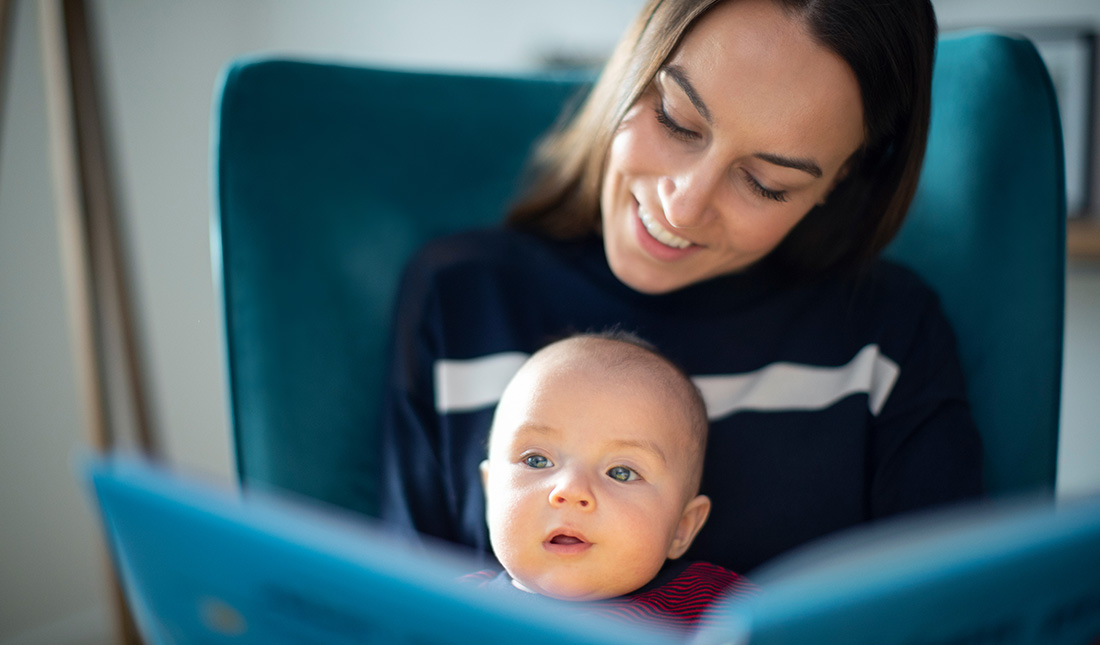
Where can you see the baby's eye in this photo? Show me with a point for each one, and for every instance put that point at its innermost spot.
(537, 461)
(622, 474)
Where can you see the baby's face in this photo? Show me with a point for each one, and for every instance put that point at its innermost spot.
(587, 483)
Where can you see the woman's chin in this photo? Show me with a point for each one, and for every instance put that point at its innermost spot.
(653, 281)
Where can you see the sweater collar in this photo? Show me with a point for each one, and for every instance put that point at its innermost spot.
(716, 295)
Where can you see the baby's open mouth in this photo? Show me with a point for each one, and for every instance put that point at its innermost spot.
(567, 543)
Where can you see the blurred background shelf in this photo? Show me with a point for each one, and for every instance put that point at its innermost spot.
(1083, 238)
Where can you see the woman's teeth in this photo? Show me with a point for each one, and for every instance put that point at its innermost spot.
(659, 233)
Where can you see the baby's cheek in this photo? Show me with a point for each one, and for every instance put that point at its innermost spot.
(507, 506)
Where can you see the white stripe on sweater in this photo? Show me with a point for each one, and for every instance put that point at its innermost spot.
(466, 385)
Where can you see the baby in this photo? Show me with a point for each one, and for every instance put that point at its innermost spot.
(592, 480)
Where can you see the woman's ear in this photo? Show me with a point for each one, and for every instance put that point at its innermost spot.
(693, 518)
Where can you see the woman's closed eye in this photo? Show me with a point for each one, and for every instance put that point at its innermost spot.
(674, 129)
(677, 131)
(762, 190)
(537, 461)
(622, 474)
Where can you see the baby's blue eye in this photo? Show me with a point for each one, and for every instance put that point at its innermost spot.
(537, 461)
(622, 474)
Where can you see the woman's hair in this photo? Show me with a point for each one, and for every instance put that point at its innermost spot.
(890, 47)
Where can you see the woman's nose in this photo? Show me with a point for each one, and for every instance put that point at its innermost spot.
(573, 489)
(688, 198)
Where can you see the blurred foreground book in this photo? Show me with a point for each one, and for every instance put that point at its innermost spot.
(203, 564)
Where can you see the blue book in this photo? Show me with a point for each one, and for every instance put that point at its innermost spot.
(1020, 571)
(203, 564)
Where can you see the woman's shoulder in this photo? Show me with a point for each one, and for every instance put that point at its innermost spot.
(894, 275)
(884, 287)
(897, 288)
(468, 246)
(886, 305)
(497, 246)
(501, 255)
(893, 306)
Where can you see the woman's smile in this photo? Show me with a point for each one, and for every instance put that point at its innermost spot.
(659, 232)
(657, 241)
(727, 150)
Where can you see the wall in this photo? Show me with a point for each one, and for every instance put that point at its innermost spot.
(160, 62)
(50, 555)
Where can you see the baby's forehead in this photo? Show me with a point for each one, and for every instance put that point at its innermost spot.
(604, 387)
(600, 361)
(604, 360)
(599, 356)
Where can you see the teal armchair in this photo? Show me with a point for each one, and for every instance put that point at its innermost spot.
(328, 177)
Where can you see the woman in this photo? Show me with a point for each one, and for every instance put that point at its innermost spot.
(723, 193)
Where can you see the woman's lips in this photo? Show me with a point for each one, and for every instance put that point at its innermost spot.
(660, 233)
(657, 241)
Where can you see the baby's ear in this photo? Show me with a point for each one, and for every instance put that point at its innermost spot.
(484, 468)
(694, 517)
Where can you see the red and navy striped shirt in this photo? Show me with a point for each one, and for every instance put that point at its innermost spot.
(683, 595)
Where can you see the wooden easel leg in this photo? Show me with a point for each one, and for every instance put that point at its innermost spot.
(5, 55)
(120, 369)
(91, 248)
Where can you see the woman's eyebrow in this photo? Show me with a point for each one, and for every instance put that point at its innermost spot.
(680, 76)
(805, 165)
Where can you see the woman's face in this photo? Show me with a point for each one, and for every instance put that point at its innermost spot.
(746, 127)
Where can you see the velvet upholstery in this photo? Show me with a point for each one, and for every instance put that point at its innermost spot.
(987, 230)
(328, 177)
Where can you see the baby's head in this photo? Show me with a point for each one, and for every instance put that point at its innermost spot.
(595, 457)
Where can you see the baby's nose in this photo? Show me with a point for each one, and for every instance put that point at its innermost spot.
(573, 489)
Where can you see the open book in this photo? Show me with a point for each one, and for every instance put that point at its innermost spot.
(204, 564)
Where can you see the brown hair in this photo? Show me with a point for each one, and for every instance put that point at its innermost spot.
(890, 47)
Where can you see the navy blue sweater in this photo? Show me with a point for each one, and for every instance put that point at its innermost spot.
(830, 404)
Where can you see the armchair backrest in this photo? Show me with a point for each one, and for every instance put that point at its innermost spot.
(329, 176)
(987, 231)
